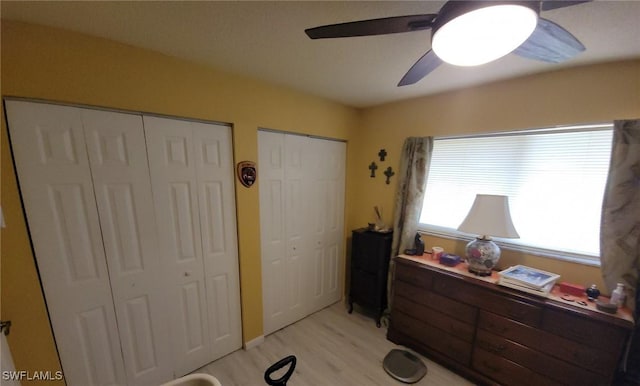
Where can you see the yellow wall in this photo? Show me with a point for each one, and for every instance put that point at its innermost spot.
(52, 64)
(589, 94)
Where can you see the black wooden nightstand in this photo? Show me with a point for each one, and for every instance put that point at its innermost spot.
(370, 253)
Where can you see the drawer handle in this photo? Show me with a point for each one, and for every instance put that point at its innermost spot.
(518, 313)
(491, 367)
(590, 360)
(498, 328)
(496, 349)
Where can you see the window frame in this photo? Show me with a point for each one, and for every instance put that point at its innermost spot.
(513, 244)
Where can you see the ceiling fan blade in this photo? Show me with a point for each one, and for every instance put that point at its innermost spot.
(549, 5)
(550, 43)
(383, 26)
(427, 63)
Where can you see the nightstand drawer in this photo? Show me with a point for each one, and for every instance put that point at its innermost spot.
(457, 310)
(433, 338)
(507, 372)
(483, 298)
(415, 276)
(564, 349)
(434, 318)
(556, 369)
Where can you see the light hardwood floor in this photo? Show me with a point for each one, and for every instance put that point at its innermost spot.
(332, 348)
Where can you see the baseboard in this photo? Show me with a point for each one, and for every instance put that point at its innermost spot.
(254, 342)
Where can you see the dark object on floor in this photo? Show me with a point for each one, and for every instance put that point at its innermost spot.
(282, 381)
(404, 366)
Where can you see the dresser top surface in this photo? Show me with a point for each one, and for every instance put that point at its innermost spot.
(556, 298)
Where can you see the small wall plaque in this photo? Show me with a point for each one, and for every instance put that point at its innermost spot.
(247, 173)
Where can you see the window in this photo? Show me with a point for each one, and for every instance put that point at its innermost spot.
(554, 178)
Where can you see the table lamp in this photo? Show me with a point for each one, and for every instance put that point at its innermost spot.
(489, 216)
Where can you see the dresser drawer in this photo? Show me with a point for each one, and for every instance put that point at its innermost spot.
(561, 348)
(507, 372)
(457, 310)
(488, 300)
(545, 365)
(431, 337)
(412, 275)
(590, 332)
(434, 318)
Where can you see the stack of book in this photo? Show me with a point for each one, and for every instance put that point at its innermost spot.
(527, 279)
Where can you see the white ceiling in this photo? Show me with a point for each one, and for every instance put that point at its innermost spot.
(266, 40)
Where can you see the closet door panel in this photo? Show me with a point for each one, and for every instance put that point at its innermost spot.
(170, 151)
(334, 237)
(215, 177)
(271, 159)
(301, 215)
(117, 155)
(297, 203)
(55, 181)
(327, 165)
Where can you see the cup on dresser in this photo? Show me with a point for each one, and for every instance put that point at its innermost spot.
(436, 252)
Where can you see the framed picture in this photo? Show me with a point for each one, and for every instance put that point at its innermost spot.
(528, 276)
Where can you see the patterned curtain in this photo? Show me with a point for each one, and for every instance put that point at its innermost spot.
(620, 226)
(412, 178)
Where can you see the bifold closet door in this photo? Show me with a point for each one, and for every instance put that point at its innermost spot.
(283, 192)
(192, 176)
(86, 192)
(116, 147)
(326, 233)
(301, 216)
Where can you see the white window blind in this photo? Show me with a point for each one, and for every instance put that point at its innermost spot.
(554, 178)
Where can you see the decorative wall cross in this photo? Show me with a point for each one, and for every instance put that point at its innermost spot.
(389, 173)
(382, 154)
(373, 168)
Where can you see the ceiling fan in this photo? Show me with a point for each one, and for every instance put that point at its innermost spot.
(468, 33)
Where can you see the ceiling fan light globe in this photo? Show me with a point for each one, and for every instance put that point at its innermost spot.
(484, 34)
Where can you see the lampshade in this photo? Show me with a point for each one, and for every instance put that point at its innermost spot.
(489, 215)
(471, 33)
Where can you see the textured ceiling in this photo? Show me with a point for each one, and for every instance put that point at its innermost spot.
(266, 40)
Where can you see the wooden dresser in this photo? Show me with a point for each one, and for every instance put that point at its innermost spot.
(496, 335)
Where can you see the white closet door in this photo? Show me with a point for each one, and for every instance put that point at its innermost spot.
(301, 214)
(326, 228)
(55, 183)
(118, 160)
(193, 201)
(297, 206)
(215, 177)
(271, 158)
